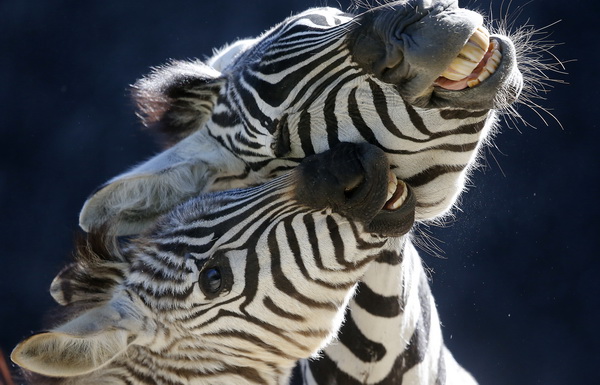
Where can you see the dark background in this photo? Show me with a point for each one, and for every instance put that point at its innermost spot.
(517, 286)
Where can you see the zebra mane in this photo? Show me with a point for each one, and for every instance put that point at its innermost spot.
(99, 266)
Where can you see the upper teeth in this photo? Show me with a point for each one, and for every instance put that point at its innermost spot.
(490, 67)
(469, 57)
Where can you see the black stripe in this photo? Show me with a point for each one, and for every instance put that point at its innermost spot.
(179, 249)
(257, 341)
(162, 273)
(337, 241)
(252, 269)
(282, 169)
(279, 92)
(416, 119)
(381, 106)
(326, 371)
(378, 305)
(294, 246)
(390, 257)
(230, 178)
(362, 127)
(331, 122)
(224, 119)
(364, 245)
(313, 239)
(426, 176)
(251, 141)
(144, 378)
(249, 101)
(362, 347)
(462, 114)
(419, 124)
(417, 347)
(380, 103)
(324, 83)
(151, 293)
(430, 204)
(282, 333)
(304, 131)
(473, 128)
(272, 306)
(325, 78)
(283, 283)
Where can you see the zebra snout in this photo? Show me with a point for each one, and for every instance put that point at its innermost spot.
(355, 180)
(413, 44)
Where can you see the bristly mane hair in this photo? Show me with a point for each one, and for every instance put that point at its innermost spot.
(99, 266)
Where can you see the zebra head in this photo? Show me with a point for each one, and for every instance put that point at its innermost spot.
(422, 80)
(230, 287)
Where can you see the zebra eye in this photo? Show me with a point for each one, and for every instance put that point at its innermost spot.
(216, 277)
(211, 281)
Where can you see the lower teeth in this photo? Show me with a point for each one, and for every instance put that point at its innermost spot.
(397, 197)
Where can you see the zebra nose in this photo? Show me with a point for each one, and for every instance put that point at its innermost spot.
(391, 41)
(347, 179)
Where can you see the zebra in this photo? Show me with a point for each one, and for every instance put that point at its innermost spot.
(424, 81)
(231, 287)
(256, 108)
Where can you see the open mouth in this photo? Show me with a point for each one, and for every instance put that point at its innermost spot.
(397, 214)
(396, 192)
(477, 61)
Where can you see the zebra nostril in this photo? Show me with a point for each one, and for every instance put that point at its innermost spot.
(352, 186)
(388, 67)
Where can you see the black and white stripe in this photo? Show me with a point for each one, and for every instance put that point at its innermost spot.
(228, 288)
(318, 79)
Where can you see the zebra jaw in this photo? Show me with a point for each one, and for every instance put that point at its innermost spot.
(478, 59)
(396, 192)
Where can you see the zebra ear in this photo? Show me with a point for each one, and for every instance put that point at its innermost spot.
(177, 99)
(131, 202)
(82, 345)
(61, 288)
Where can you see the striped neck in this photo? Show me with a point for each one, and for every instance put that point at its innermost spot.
(391, 330)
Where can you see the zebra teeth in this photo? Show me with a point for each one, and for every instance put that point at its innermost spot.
(494, 57)
(483, 70)
(396, 192)
(469, 57)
